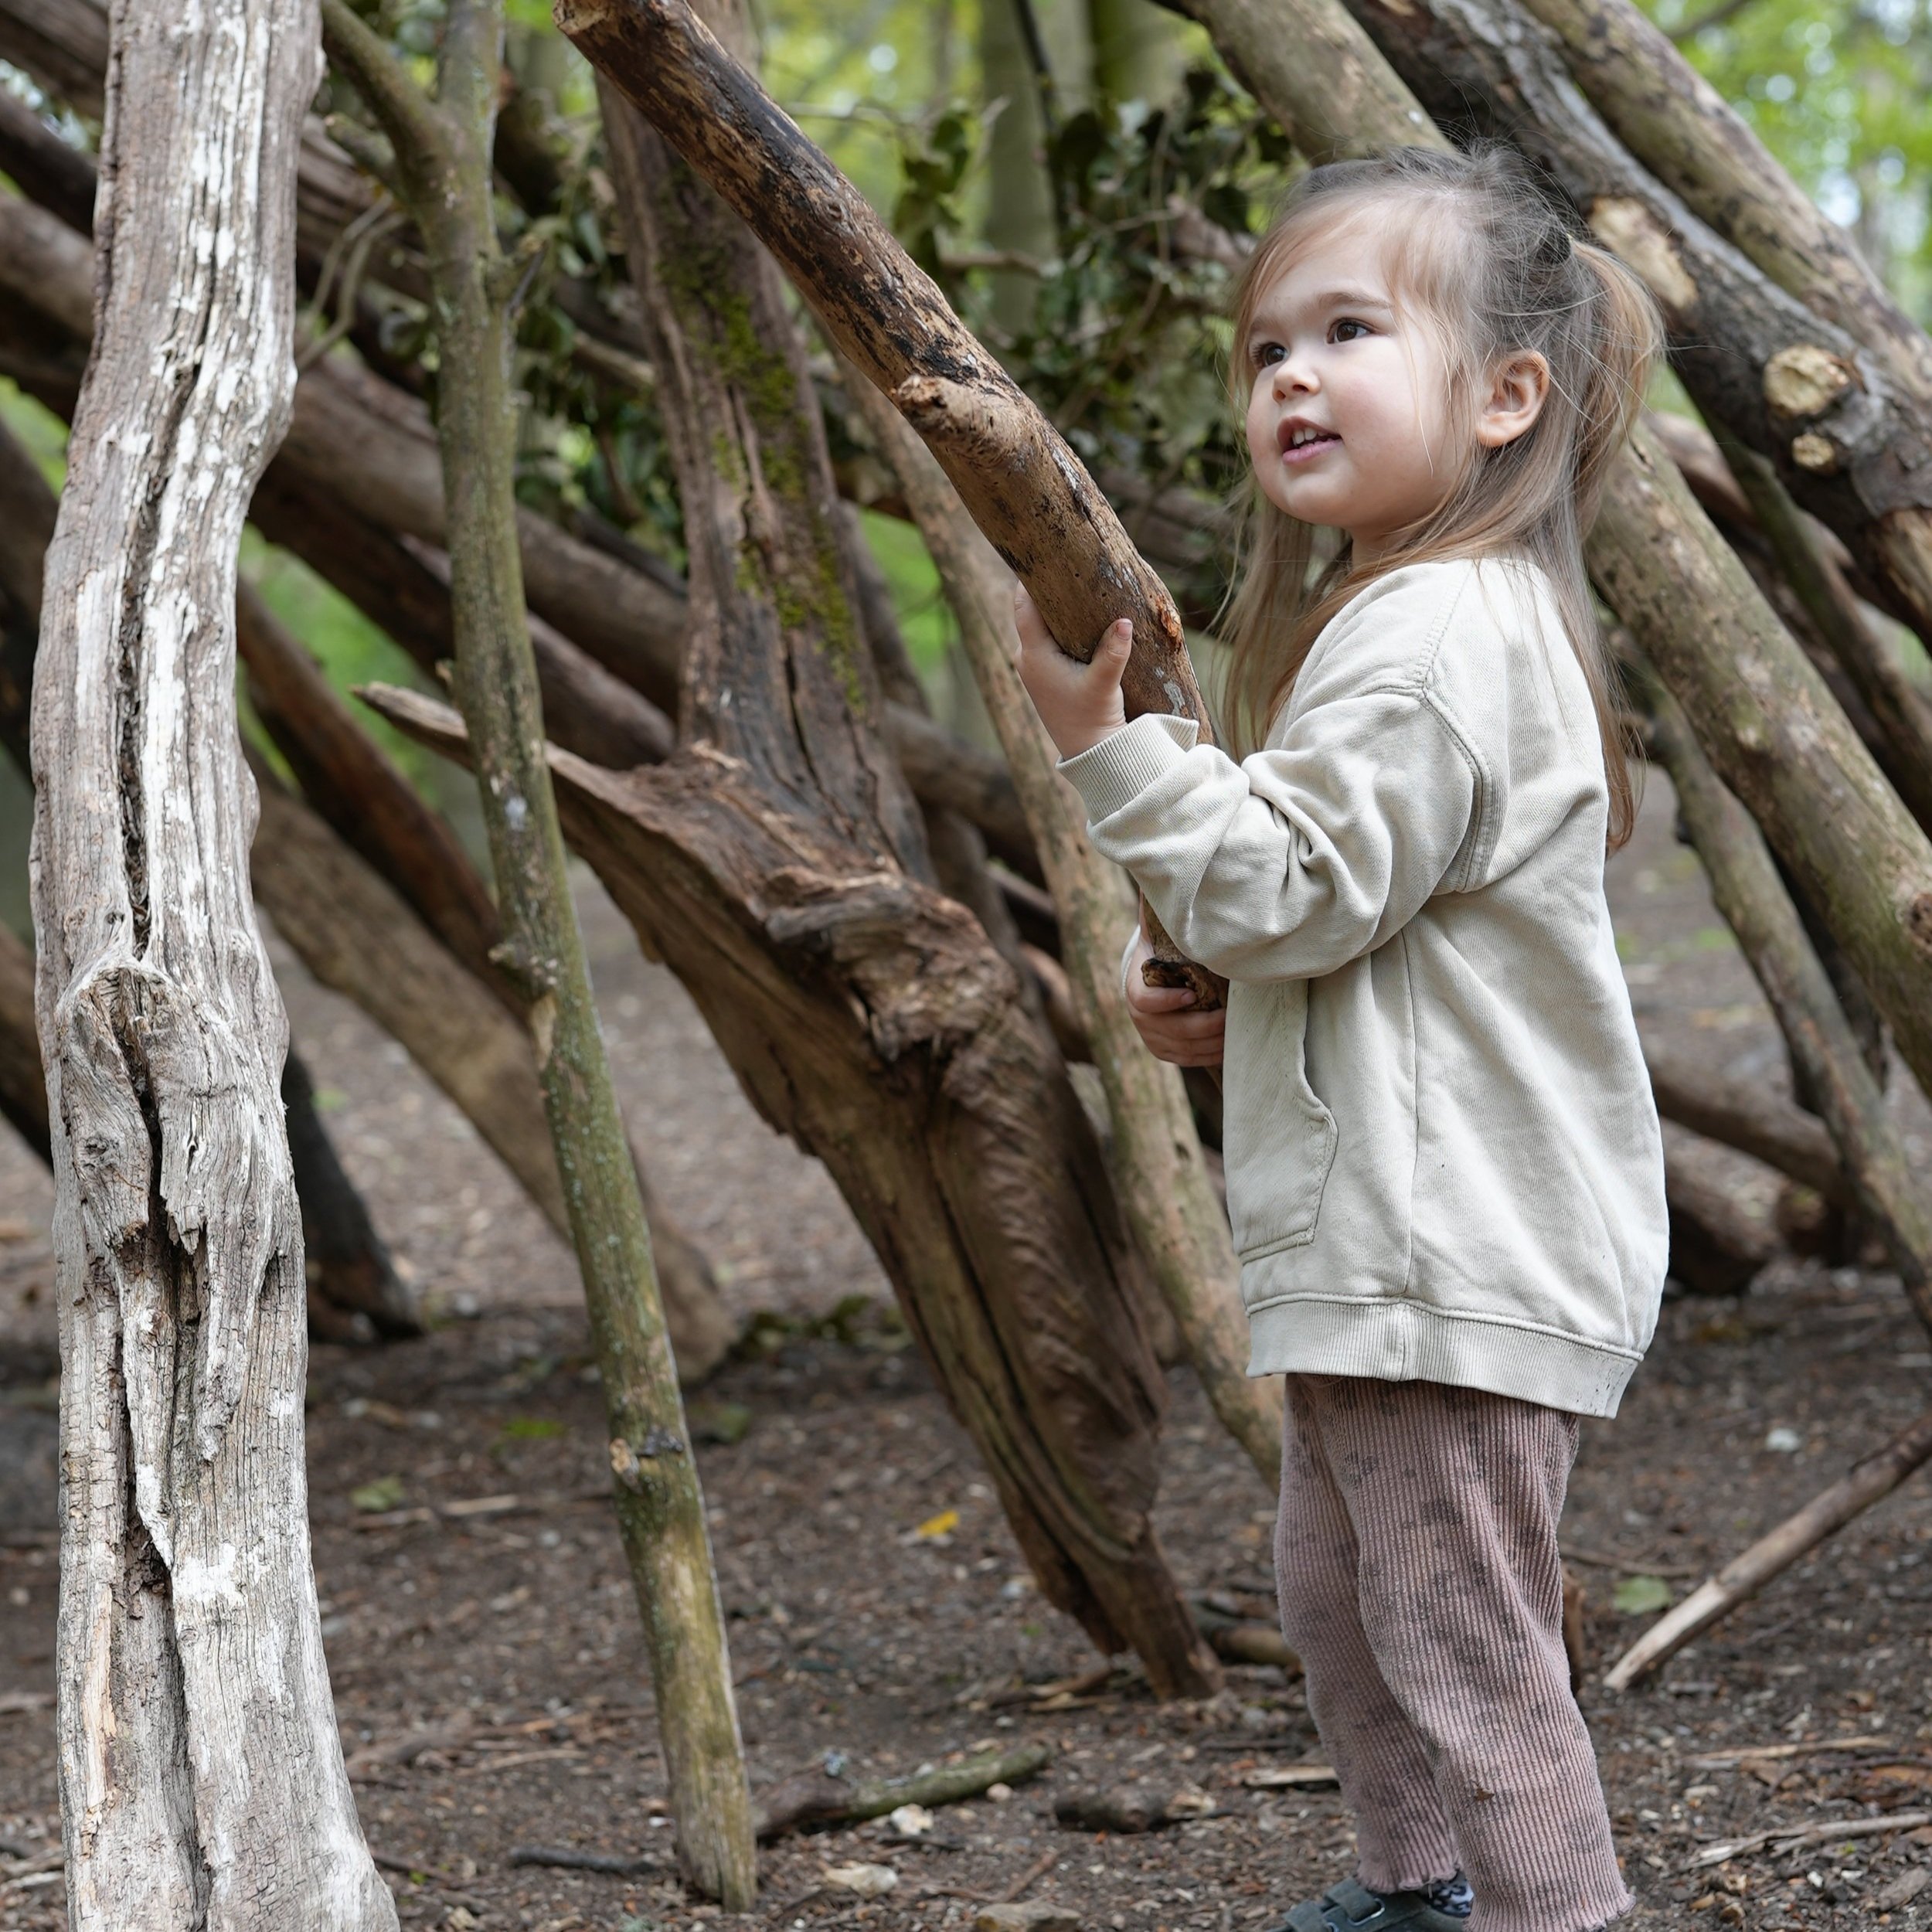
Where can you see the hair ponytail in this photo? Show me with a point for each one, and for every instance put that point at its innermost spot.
(1481, 252)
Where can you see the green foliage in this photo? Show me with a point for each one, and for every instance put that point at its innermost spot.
(1837, 91)
(1639, 1596)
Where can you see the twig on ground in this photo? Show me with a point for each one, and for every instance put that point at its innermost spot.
(1627, 1566)
(817, 1797)
(1749, 1753)
(1784, 1837)
(1029, 1878)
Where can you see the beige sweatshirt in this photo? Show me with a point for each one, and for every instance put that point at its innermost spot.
(1443, 1156)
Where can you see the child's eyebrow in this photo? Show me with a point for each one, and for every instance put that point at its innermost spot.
(1327, 299)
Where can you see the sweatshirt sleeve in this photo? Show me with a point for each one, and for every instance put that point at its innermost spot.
(1305, 856)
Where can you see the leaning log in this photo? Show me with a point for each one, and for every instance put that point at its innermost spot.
(198, 1746)
(838, 982)
(23, 1087)
(354, 1290)
(1753, 1119)
(358, 937)
(1826, 1053)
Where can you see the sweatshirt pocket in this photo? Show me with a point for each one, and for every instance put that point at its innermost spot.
(1278, 1139)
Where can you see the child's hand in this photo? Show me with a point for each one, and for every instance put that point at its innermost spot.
(1079, 704)
(1164, 1017)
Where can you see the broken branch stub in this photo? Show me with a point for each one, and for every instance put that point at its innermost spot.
(1025, 488)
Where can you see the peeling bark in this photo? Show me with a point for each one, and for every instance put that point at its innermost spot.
(202, 1781)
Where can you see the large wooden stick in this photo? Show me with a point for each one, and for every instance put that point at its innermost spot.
(1752, 1119)
(198, 1752)
(1163, 1182)
(1023, 486)
(1741, 1579)
(443, 151)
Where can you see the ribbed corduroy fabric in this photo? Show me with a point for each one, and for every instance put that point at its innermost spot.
(1421, 1583)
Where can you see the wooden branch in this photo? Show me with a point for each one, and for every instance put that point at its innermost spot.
(49, 172)
(1901, 712)
(1825, 1051)
(814, 1800)
(345, 776)
(1715, 1248)
(23, 1085)
(444, 158)
(1702, 149)
(1754, 1120)
(1023, 486)
(1867, 1481)
(1162, 1180)
(198, 1740)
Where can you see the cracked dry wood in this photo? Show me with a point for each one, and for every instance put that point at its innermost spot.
(202, 1779)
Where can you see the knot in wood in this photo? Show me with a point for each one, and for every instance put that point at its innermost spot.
(628, 1460)
(1805, 380)
(1918, 922)
(1816, 453)
(1631, 232)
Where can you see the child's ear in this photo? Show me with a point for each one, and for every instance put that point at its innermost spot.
(1517, 392)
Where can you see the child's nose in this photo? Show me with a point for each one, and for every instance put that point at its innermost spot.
(1294, 377)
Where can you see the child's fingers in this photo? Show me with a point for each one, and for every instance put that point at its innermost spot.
(1144, 998)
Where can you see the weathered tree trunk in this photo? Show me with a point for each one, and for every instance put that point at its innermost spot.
(202, 1781)
(442, 156)
(350, 1273)
(1170, 1203)
(1048, 1367)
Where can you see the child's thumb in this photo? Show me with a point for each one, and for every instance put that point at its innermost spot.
(1119, 642)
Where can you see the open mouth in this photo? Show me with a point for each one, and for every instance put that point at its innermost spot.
(1300, 443)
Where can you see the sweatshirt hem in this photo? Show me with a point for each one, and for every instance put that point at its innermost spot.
(1389, 1340)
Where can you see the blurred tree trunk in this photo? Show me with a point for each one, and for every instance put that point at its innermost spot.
(1140, 52)
(1019, 199)
(199, 1753)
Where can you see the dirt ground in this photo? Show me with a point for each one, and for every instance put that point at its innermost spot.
(488, 1668)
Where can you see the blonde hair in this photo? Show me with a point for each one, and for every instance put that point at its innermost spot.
(1481, 253)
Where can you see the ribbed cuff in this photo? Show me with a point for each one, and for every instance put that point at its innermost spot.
(1116, 770)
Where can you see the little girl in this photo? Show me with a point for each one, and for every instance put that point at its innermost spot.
(1443, 1168)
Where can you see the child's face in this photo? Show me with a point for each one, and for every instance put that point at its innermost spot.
(1329, 352)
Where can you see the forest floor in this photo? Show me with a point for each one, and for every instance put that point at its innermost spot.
(489, 1670)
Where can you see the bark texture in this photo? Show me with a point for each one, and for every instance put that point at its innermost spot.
(202, 1781)
(786, 759)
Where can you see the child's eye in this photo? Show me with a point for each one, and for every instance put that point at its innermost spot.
(1267, 354)
(1336, 328)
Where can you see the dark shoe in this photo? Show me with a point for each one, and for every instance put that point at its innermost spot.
(1351, 1907)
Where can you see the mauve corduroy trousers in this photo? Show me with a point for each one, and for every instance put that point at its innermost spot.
(1421, 1583)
